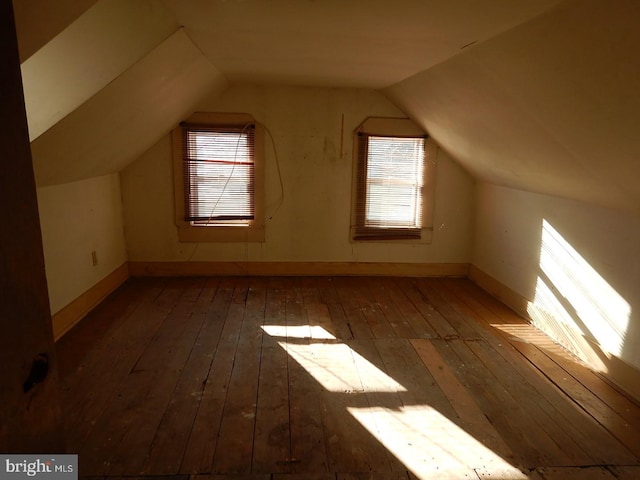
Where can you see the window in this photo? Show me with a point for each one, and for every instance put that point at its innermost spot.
(218, 178)
(392, 182)
(218, 174)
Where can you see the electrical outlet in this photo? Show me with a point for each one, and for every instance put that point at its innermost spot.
(94, 258)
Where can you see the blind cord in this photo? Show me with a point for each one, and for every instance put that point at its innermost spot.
(226, 183)
(224, 187)
(281, 183)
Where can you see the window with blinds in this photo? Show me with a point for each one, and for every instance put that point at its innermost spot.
(390, 184)
(218, 173)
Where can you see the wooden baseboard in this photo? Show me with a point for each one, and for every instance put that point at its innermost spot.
(613, 369)
(506, 295)
(150, 269)
(67, 317)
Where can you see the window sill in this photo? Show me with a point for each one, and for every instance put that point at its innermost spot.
(425, 236)
(221, 234)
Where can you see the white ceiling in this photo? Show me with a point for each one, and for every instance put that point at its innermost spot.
(552, 106)
(535, 94)
(357, 43)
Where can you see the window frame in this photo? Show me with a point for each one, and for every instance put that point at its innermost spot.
(399, 128)
(219, 231)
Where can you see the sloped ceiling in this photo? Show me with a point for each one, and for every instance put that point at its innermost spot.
(90, 53)
(550, 106)
(363, 43)
(119, 123)
(39, 21)
(535, 94)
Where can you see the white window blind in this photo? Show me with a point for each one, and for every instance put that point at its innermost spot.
(390, 187)
(219, 174)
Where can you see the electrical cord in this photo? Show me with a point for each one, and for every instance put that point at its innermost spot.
(280, 181)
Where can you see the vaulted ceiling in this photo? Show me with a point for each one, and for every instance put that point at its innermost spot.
(552, 106)
(540, 95)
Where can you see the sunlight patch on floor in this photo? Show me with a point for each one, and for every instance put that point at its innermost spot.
(338, 368)
(528, 333)
(334, 365)
(430, 445)
(424, 440)
(298, 331)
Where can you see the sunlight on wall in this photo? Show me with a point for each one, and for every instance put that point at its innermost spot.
(420, 437)
(571, 293)
(430, 445)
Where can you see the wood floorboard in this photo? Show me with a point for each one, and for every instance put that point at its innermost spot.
(381, 290)
(494, 355)
(308, 449)
(462, 328)
(200, 448)
(501, 411)
(370, 308)
(85, 335)
(234, 448)
(350, 378)
(170, 440)
(532, 404)
(403, 306)
(166, 357)
(470, 417)
(415, 385)
(113, 392)
(580, 427)
(272, 438)
(621, 404)
(354, 317)
(601, 412)
(584, 473)
(625, 472)
(435, 322)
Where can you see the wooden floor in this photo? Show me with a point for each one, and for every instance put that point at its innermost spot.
(332, 378)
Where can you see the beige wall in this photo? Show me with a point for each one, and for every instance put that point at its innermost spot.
(577, 264)
(312, 222)
(77, 218)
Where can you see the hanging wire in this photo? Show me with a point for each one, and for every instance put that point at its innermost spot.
(275, 155)
(280, 181)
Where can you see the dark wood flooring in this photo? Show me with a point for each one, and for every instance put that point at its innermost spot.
(332, 378)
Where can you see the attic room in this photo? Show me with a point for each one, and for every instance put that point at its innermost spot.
(498, 338)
